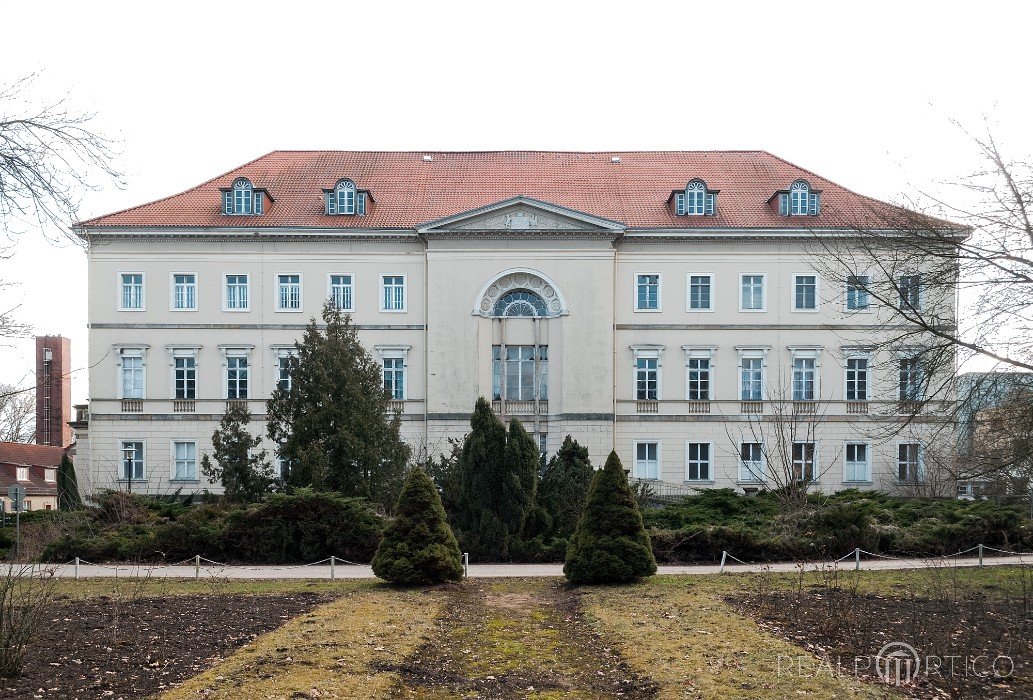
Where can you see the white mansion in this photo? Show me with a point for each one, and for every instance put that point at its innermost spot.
(673, 306)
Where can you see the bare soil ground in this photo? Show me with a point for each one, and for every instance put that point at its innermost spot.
(105, 647)
(961, 640)
(517, 639)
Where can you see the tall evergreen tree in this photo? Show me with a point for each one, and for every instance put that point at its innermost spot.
(564, 486)
(332, 425)
(498, 475)
(242, 470)
(610, 544)
(68, 497)
(418, 546)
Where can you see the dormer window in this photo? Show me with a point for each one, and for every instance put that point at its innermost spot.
(345, 200)
(696, 200)
(800, 200)
(242, 199)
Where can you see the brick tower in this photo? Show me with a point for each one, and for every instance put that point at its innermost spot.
(53, 390)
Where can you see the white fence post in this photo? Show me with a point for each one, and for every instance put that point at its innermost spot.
(724, 555)
(197, 566)
(332, 562)
(980, 553)
(77, 568)
(466, 565)
(857, 558)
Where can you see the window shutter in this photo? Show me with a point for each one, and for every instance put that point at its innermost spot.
(227, 202)
(783, 204)
(258, 202)
(815, 205)
(331, 203)
(679, 204)
(710, 204)
(360, 204)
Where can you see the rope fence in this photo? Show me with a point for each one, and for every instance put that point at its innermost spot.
(980, 549)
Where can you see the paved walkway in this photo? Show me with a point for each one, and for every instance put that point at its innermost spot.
(354, 571)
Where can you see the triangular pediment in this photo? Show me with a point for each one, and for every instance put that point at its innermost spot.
(522, 215)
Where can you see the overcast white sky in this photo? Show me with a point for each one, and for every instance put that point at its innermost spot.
(862, 93)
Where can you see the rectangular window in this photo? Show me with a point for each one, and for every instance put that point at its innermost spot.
(132, 292)
(910, 288)
(237, 292)
(132, 461)
(393, 296)
(185, 376)
(805, 292)
(803, 461)
(522, 376)
(699, 379)
(184, 455)
(341, 292)
(288, 292)
(647, 460)
(184, 292)
(803, 379)
(751, 461)
(283, 371)
(50, 476)
(132, 376)
(700, 298)
(679, 204)
(909, 462)
(697, 465)
(752, 297)
(751, 374)
(647, 379)
(23, 474)
(857, 379)
(857, 297)
(910, 379)
(236, 377)
(857, 465)
(647, 293)
(394, 377)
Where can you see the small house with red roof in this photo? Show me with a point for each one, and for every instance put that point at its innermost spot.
(34, 467)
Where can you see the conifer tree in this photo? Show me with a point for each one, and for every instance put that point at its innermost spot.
(68, 497)
(564, 486)
(610, 544)
(481, 466)
(333, 425)
(418, 546)
(517, 489)
(242, 470)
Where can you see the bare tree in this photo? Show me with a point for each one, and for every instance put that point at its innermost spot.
(49, 156)
(17, 414)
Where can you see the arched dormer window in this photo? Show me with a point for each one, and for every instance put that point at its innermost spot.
(695, 200)
(242, 199)
(800, 200)
(520, 302)
(345, 200)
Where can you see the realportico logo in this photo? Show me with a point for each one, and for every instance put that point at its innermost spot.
(898, 663)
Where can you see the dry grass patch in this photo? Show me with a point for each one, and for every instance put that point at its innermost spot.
(678, 631)
(336, 651)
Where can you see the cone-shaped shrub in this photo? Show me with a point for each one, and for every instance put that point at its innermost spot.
(418, 546)
(610, 544)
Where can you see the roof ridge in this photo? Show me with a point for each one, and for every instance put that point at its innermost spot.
(177, 194)
(510, 150)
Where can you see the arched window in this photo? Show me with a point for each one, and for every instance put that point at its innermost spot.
(345, 199)
(799, 201)
(242, 198)
(696, 200)
(520, 302)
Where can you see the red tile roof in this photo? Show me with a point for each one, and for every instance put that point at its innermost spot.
(408, 190)
(36, 457)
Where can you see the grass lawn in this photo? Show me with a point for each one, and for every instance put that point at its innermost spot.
(668, 637)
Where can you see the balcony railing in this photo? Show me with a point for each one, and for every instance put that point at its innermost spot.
(184, 406)
(697, 407)
(805, 408)
(236, 403)
(647, 406)
(396, 406)
(520, 408)
(857, 407)
(132, 405)
(751, 407)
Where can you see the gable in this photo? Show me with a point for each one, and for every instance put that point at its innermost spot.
(522, 215)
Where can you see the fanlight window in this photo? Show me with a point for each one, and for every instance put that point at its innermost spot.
(696, 200)
(520, 302)
(799, 201)
(242, 198)
(345, 200)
